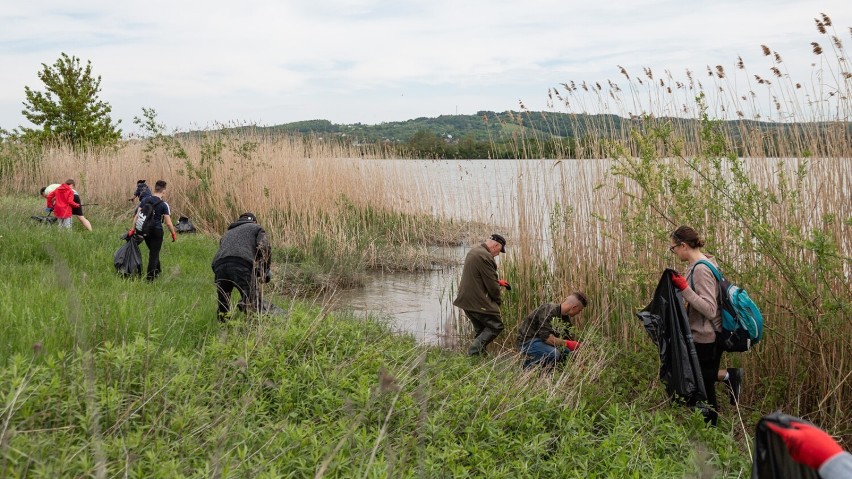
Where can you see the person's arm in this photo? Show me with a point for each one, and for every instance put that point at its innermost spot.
(813, 447)
(704, 296)
(264, 250)
(838, 467)
(488, 275)
(51, 198)
(135, 217)
(71, 201)
(167, 219)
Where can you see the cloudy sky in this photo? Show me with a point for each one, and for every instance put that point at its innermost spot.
(269, 62)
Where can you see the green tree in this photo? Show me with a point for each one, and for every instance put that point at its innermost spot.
(70, 109)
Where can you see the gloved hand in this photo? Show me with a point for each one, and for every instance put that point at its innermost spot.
(48, 210)
(174, 237)
(679, 281)
(131, 232)
(505, 284)
(571, 345)
(807, 444)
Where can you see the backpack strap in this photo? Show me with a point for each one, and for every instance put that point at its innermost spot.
(713, 270)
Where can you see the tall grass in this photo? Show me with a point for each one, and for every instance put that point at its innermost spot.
(320, 201)
(106, 377)
(771, 197)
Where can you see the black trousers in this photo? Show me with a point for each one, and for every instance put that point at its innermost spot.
(486, 327)
(709, 358)
(154, 242)
(243, 278)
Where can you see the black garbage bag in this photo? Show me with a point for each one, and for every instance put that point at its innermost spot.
(45, 219)
(185, 225)
(771, 457)
(128, 259)
(666, 322)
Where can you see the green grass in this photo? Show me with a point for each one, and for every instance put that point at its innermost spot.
(162, 390)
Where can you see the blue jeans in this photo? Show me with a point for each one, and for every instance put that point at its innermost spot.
(539, 353)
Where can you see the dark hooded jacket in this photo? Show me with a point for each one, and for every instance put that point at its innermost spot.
(665, 320)
(244, 243)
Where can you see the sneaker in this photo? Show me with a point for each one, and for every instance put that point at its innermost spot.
(735, 384)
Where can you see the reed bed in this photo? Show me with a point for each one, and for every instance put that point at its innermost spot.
(769, 190)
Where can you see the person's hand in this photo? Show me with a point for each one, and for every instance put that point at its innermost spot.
(174, 237)
(807, 444)
(131, 232)
(571, 345)
(48, 210)
(505, 284)
(678, 281)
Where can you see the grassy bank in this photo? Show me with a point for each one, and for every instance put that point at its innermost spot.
(108, 377)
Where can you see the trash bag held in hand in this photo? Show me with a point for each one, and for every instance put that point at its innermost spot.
(771, 457)
(667, 324)
(128, 259)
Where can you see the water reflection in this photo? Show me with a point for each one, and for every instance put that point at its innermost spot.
(416, 303)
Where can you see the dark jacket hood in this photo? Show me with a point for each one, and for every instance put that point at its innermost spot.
(240, 223)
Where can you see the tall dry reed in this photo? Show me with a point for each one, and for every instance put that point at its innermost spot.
(770, 190)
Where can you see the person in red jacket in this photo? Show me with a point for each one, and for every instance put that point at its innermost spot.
(61, 200)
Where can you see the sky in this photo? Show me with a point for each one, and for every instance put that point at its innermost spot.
(267, 62)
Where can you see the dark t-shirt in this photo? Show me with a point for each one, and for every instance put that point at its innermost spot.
(160, 209)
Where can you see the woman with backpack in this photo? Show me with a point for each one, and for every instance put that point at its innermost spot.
(701, 293)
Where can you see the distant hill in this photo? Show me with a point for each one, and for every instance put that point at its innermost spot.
(489, 134)
(483, 126)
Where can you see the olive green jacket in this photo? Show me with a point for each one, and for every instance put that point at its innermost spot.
(478, 288)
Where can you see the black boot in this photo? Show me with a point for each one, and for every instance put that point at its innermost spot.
(735, 384)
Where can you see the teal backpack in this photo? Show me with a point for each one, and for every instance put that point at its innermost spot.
(742, 323)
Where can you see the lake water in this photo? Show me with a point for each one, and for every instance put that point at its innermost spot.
(500, 192)
(478, 190)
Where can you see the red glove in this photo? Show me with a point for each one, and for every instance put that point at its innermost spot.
(571, 345)
(807, 444)
(174, 237)
(504, 283)
(131, 232)
(678, 281)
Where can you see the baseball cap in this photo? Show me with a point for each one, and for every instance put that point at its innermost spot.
(500, 240)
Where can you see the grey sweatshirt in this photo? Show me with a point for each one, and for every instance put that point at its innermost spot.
(838, 467)
(244, 241)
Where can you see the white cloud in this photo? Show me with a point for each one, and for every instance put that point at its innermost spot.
(381, 60)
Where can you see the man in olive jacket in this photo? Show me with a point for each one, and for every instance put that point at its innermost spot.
(479, 292)
(242, 261)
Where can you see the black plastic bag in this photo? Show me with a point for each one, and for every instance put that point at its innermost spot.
(771, 457)
(666, 322)
(185, 225)
(128, 259)
(45, 219)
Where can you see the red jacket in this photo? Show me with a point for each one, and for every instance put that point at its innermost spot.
(62, 201)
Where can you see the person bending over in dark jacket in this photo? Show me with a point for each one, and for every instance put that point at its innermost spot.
(242, 261)
(544, 343)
